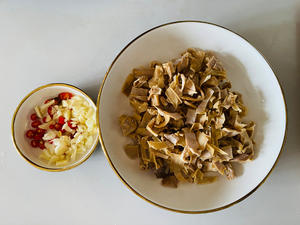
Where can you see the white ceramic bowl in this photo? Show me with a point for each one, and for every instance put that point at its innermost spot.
(20, 125)
(250, 74)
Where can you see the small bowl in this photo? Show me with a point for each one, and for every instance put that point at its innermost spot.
(20, 125)
(250, 74)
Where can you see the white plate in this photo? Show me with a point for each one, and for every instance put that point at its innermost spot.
(250, 74)
(20, 125)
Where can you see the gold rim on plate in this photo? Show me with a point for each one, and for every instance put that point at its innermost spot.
(13, 129)
(111, 163)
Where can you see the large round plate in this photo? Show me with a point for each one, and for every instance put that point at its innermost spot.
(250, 74)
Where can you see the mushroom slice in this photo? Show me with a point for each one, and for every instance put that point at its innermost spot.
(158, 78)
(158, 145)
(229, 173)
(191, 116)
(139, 93)
(228, 132)
(197, 58)
(170, 181)
(199, 98)
(173, 97)
(138, 72)
(190, 104)
(154, 90)
(201, 108)
(183, 62)
(189, 87)
(191, 141)
(202, 140)
(175, 116)
(128, 124)
(205, 155)
(220, 121)
(126, 88)
(155, 100)
(151, 129)
(169, 69)
(138, 106)
(173, 138)
(142, 80)
(131, 151)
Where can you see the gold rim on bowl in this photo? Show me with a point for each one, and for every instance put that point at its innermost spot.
(124, 181)
(13, 130)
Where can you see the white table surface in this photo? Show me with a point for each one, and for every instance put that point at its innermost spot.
(75, 42)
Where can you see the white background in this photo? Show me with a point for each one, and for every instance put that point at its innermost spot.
(75, 42)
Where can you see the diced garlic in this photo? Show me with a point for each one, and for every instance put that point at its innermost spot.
(64, 149)
(45, 155)
(67, 114)
(49, 135)
(60, 149)
(68, 129)
(48, 118)
(89, 141)
(68, 158)
(45, 106)
(46, 125)
(38, 112)
(73, 156)
(64, 103)
(49, 147)
(90, 124)
(53, 159)
(62, 163)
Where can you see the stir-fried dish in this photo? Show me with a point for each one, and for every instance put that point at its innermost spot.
(187, 121)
